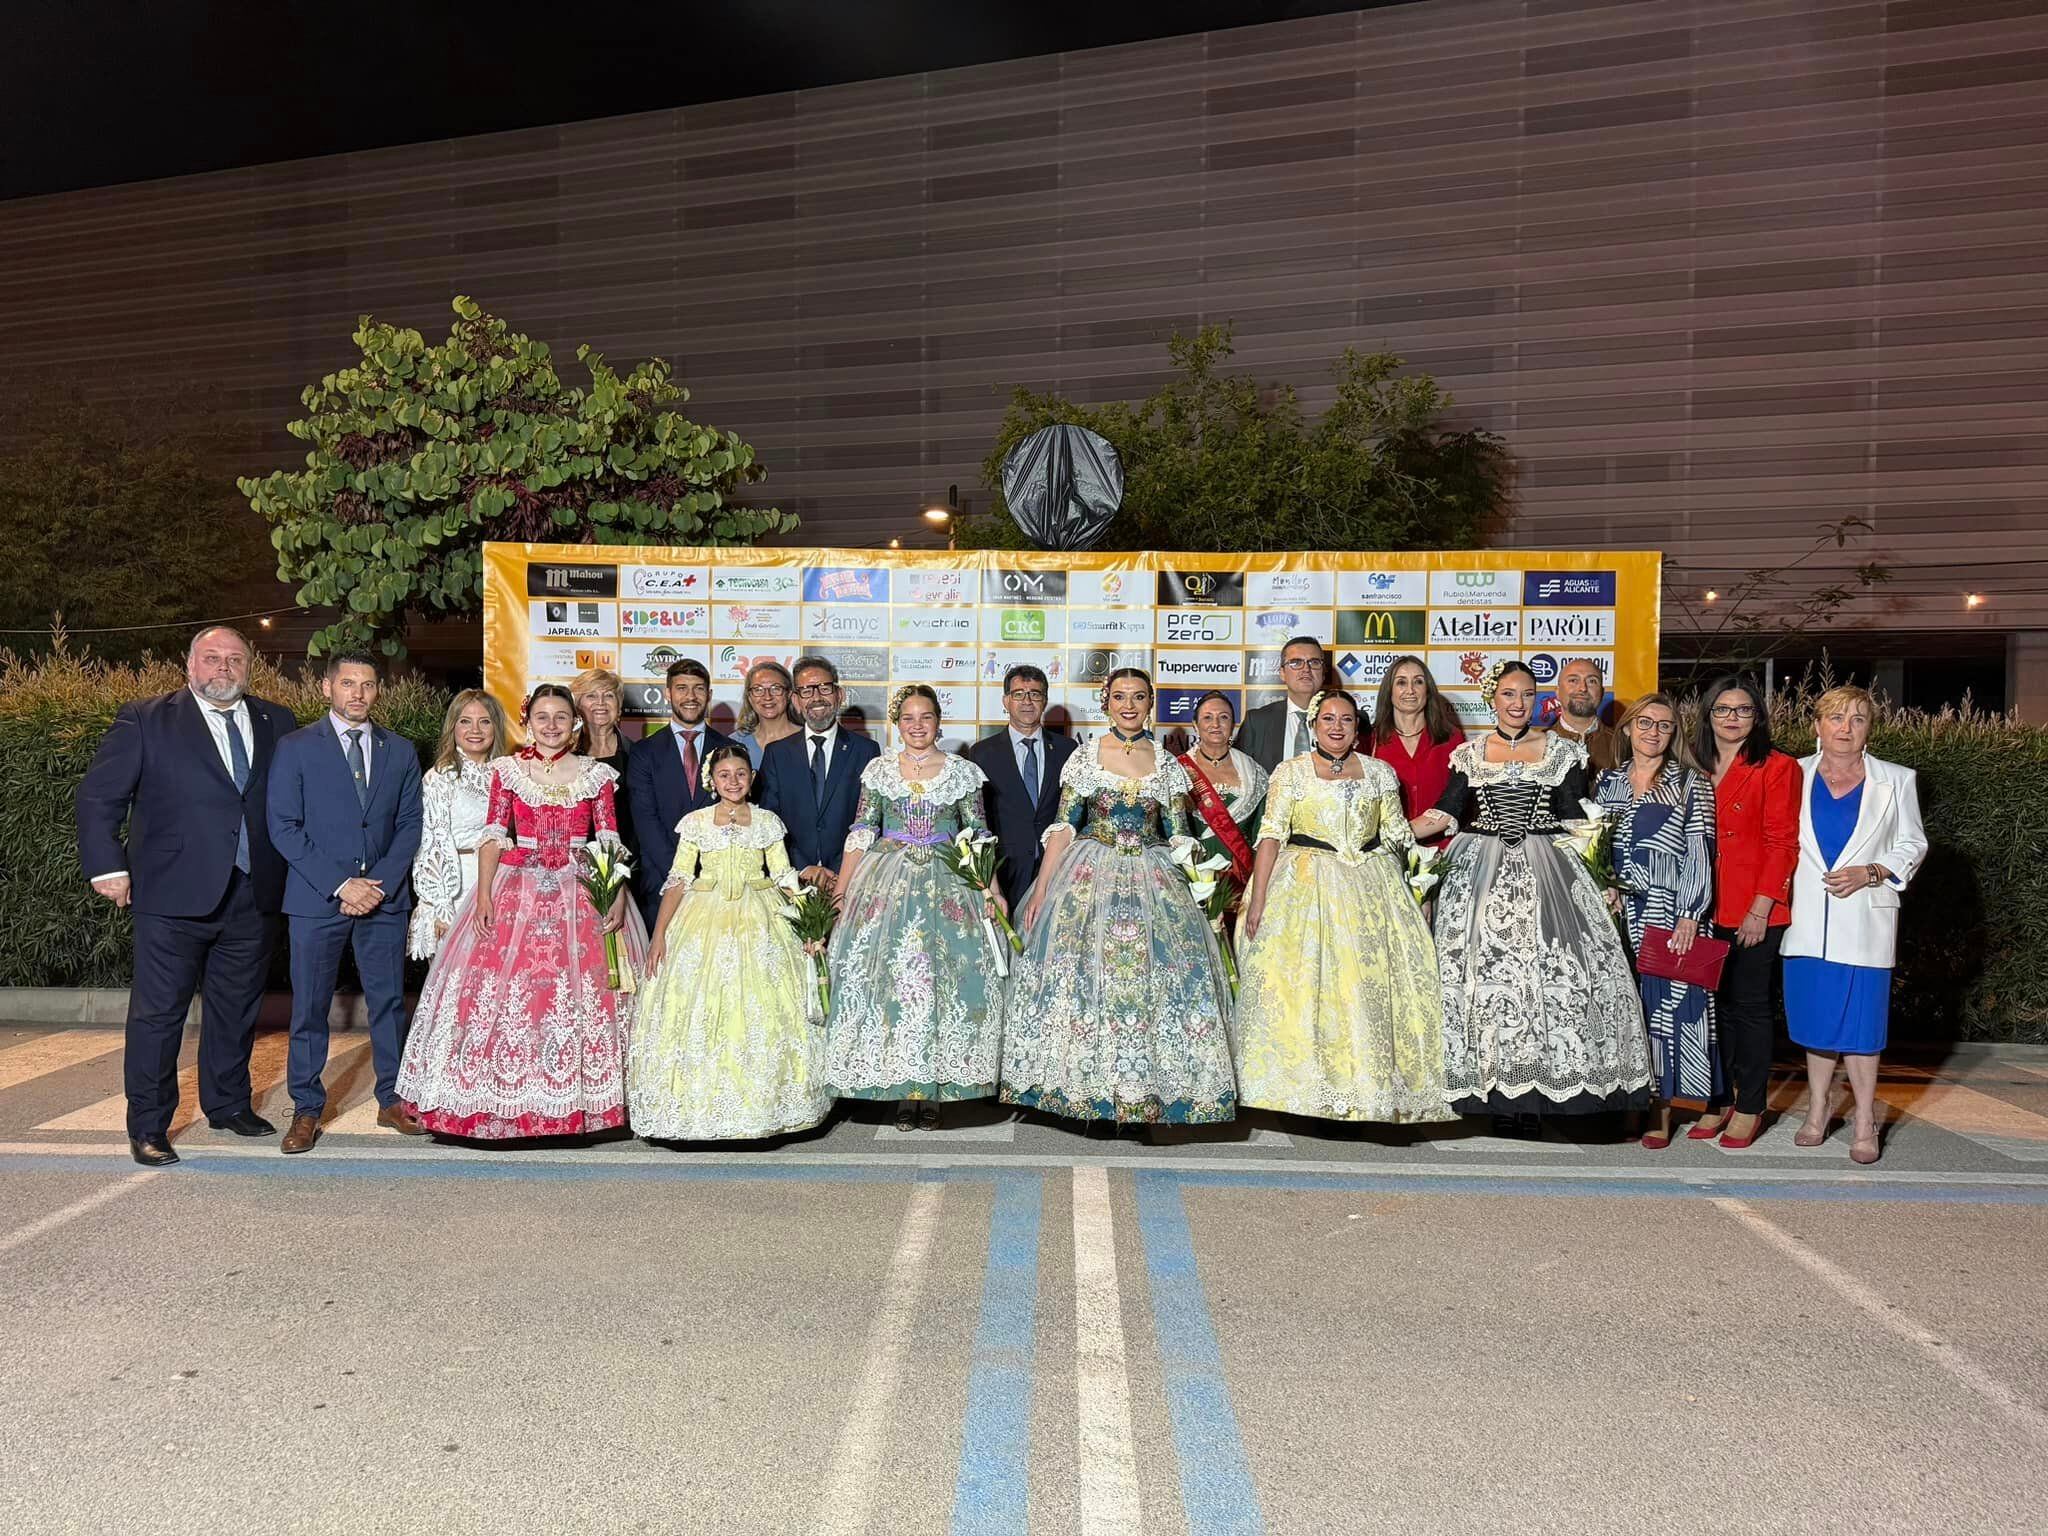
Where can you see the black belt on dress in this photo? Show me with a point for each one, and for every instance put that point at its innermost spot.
(1303, 840)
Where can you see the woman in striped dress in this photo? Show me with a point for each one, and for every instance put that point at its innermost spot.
(1663, 808)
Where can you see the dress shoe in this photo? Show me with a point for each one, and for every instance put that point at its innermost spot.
(305, 1130)
(400, 1119)
(152, 1151)
(245, 1122)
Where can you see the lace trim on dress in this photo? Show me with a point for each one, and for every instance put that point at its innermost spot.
(1559, 758)
(1166, 782)
(519, 783)
(700, 830)
(956, 779)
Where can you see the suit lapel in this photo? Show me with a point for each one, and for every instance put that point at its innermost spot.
(1049, 771)
(1809, 771)
(837, 770)
(1008, 780)
(199, 737)
(1870, 812)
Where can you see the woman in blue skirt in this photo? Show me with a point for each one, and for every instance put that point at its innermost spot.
(1860, 840)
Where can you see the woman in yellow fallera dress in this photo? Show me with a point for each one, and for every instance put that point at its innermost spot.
(1340, 1016)
(725, 1045)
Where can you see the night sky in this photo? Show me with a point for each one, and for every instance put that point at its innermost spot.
(96, 92)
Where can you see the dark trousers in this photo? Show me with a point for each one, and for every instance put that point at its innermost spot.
(225, 958)
(317, 944)
(1746, 1015)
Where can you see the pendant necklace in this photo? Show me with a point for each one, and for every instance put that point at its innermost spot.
(1336, 760)
(1141, 734)
(1514, 740)
(1213, 762)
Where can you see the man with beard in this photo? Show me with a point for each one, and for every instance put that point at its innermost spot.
(812, 779)
(188, 772)
(1580, 691)
(665, 778)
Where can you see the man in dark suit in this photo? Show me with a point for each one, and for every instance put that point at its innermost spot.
(812, 779)
(1274, 732)
(665, 778)
(187, 772)
(1023, 763)
(345, 813)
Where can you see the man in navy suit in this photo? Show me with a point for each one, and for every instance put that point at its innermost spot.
(345, 813)
(187, 772)
(1023, 763)
(812, 779)
(665, 778)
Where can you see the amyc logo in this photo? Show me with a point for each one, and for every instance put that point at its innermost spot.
(1569, 589)
(846, 584)
(833, 624)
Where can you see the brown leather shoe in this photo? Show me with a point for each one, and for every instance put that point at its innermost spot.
(400, 1119)
(304, 1131)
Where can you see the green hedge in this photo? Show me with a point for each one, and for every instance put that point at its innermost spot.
(54, 932)
(1973, 936)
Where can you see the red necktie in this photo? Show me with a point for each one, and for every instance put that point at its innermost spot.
(690, 761)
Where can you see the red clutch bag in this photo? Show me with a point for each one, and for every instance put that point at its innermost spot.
(1699, 966)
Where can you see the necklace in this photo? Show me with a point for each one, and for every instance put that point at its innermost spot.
(1514, 739)
(1141, 734)
(920, 759)
(1213, 762)
(1336, 760)
(1407, 735)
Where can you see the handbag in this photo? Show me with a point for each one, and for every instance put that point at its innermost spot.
(1699, 966)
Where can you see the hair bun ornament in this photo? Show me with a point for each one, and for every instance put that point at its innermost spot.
(896, 703)
(1490, 684)
(1316, 701)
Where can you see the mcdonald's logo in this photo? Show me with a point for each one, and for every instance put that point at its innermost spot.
(1381, 626)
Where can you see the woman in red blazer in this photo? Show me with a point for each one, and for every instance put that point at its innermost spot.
(1756, 812)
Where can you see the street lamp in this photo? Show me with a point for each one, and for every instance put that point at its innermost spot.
(946, 515)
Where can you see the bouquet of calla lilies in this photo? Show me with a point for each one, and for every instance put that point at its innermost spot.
(1591, 837)
(1214, 888)
(1425, 872)
(972, 856)
(809, 911)
(605, 870)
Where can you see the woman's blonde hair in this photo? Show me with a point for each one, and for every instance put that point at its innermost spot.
(448, 754)
(750, 719)
(590, 680)
(1680, 750)
(1842, 698)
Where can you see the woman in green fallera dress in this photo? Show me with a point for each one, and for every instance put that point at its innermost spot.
(917, 986)
(725, 1045)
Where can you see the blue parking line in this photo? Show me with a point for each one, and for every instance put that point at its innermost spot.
(1875, 1191)
(1215, 1479)
(991, 1495)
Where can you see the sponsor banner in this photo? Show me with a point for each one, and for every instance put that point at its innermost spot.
(756, 621)
(854, 623)
(867, 705)
(958, 620)
(1006, 587)
(647, 701)
(1091, 664)
(941, 626)
(664, 621)
(672, 582)
(1500, 628)
(1472, 714)
(846, 584)
(1569, 589)
(1205, 668)
(1023, 626)
(1200, 589)
(1176, 706)
(1358, 671)
(1109, 589)
(1276, 626)
(1382, 589)
(1289, 589)
(1464, 668)
(1475, 589)
(1382, 626)
(995, 662)
(1568, 627)
(932, 664)
(730, 663)
(863, 663)
(758, 584)
(1198, 626)
(568, 619)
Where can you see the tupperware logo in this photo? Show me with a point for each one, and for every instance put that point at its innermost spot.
(846, 584)
(1568, 589)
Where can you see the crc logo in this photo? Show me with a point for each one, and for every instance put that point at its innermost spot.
(1037, 587)
(1022, 624)
(1201, 589)
(572, 581)
(1096, 665)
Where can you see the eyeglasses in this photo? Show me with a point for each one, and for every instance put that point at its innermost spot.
(817, 690)
(767, 690)
(1303, 664)
(1733, 711)
(1657, 726)
(1028, 695)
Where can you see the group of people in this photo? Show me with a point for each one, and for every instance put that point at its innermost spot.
(1327, 909)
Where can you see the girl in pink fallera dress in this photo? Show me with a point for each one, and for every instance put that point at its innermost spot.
(518, 1031)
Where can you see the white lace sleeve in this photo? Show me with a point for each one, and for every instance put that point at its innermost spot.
(436, 868)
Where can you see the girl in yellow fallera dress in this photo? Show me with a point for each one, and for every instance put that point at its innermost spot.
(1340, 1016)
(724, 1044)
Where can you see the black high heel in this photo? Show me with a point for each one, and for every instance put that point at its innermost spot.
(906, 1116)
(928, 1117)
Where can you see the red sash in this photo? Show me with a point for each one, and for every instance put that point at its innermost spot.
(1221, 822)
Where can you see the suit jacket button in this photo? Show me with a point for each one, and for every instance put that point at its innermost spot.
(366, 826)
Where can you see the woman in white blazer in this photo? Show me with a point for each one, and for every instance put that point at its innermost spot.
(1860, 840)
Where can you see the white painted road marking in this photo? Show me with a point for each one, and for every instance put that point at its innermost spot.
(31, 1059)
(1108, 1455)
(76, 1209)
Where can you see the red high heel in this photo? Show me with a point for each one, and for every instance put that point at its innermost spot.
(1737, 1143)
(1703, 1130)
